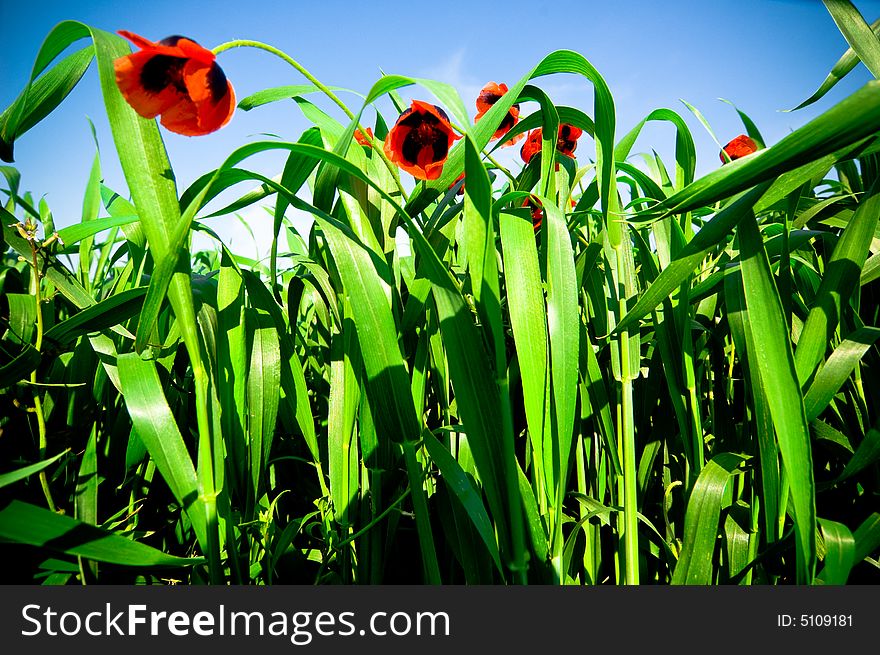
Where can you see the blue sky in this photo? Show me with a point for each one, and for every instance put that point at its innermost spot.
(764, 55)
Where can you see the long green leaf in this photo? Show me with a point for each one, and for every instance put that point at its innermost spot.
(156, 427)
(27, 524)
(775, 364)
(701, 521)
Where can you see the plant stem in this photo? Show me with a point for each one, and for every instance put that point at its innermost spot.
(423, 521)
(38, 404)
(628, 442)
(245, 43)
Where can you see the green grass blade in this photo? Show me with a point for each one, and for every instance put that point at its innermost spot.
(26, 471)
(775, 363)
(106, 314)
(844, 125)
(76, 233)
(27, 524)
(464, 490)
(840, 551)
(867, 537)
(563, 331)
(838, 283)
(841, 69)
(156, 427)
(263, 382)
(528, 318)
(688, 260)
(867, 453)
(701, 521)
(857, 33)
(685, 152)
(837, 369)
(41, 97)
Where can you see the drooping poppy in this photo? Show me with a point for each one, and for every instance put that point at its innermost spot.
(566, 142)
(420, 140)
(491, 94)
(176, 79)
(364, 138)
(739, 147)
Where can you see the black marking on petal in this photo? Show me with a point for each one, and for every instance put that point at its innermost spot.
(440, 143)
(162, 71)
(217, 82)
(416, 118)
(442, 113)
(410, 147)
(489, 98)
(173, 40)
(508, 122)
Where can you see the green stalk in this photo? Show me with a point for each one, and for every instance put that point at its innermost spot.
(245, 43)
(518, 564)
(423, 521)
(179, 294)
(627, 440)
(38, 345)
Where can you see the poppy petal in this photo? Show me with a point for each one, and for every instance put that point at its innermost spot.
(420, 139)
(212, 94)
(739, 147)
(364, 138)
(182, 118)
(178, 80)
(147, 101)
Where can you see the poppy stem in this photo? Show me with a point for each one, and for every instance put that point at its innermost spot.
(38, 345)
(245, 43)
(502, 169)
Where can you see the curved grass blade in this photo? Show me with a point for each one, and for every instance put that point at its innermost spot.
(683, 266)
(844, 125)
(775, 363)
(857, 33)
(840, 551)
(41, 97)
(156, 427)
(685, 151)
(277, 93)
(108, 313)
(867, 453)
(559, 61)
(463, 489)
(27, 524)
(840, 280)
(79, 231)
(867, 537)
(837, 369)
(841, 69)
(26, 471)
(701, 521)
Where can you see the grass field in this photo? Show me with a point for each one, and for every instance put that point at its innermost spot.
(587, 368)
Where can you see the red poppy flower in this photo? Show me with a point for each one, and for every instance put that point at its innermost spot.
(739, 147)
(490, 94)
(177, 79)
(364, 137)
(420, 140)
(566, 142)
